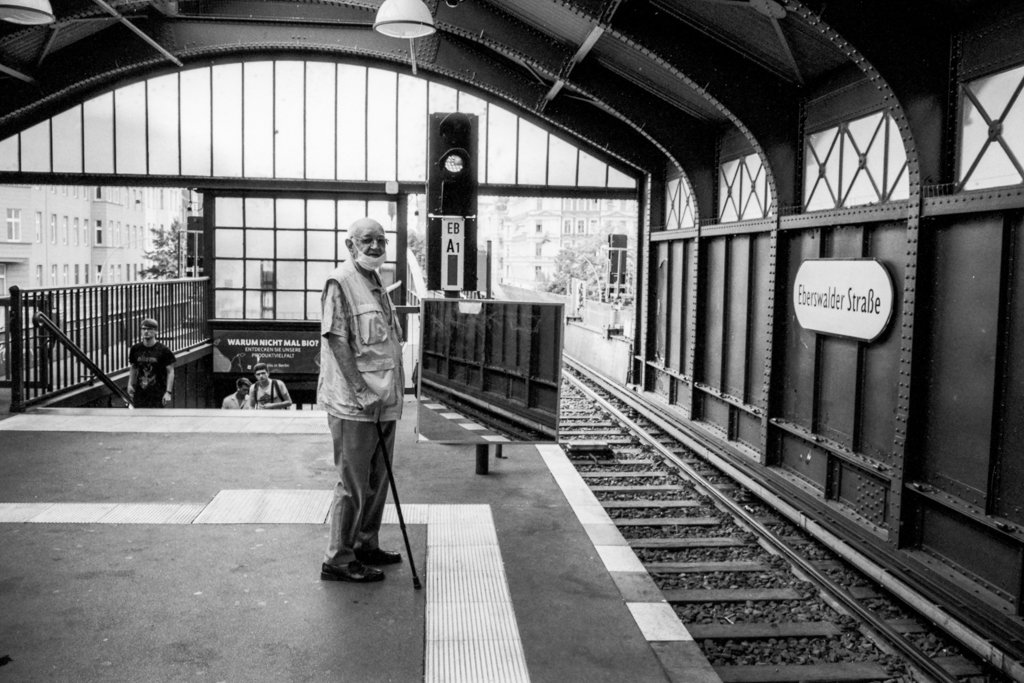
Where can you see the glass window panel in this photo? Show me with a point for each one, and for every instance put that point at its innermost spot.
(818, 197)
(35, 148)
(856, 184)
(229, 274)
(288, 119)
(562, 162)
(229, 243)
(259, 243)
(728, 187)
(291, 305)
(320, 144)
(442, 98)
(9, 154)
(689, 218)
(412, 129)
(227, 119)
(290, 244)
(343, 253)
(876, 161)
(316, 275)
(901, 189)
(973, 137)
(259, 274)
(163, 125)
(228, 304)
(259, 305)
(195, 118)
(291, 275)
(130, 128)
(99, 134)
(229, 211)
(313, 306)
(993, 92)
(897, 160)
(617, 178)
(391, 251)
(816, 190)
(823, 144)
(1013, 128)
(672, 203)
(320, 245)
(290, 213)
(592, 171)
(259, 212)
(67, 138)
(863, 130)
(258, 119)
(349, 211)
(994, 170)
(861, 191)
(381, 111)
(755, 189)
(383, 213)
(320, 214)
(533, 153)
(469, 104)
(351, 122)
(501, 150)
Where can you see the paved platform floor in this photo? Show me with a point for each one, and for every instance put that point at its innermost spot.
(185, 545)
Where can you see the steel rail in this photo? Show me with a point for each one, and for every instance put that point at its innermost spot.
(916, 657)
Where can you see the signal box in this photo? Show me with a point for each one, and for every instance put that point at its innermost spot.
(452, 188)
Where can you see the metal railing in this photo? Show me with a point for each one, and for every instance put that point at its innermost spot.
(102, 321)
(57, 334)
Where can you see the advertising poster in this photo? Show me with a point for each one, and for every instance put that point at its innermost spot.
(285, 352)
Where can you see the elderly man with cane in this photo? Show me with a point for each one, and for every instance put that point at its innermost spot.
(361, 386)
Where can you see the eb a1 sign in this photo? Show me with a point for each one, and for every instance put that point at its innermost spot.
(843, 297)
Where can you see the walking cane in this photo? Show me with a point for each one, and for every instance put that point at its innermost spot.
(398, 507)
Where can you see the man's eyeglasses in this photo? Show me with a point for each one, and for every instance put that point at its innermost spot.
(369, 241)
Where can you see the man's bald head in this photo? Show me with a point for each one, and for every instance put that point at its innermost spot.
(365, 227)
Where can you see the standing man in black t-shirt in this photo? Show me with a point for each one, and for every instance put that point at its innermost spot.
(151, 380)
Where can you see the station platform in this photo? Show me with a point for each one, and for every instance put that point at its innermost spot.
(168, 545)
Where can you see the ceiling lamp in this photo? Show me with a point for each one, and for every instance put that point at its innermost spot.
(28, 12)
(404, 19)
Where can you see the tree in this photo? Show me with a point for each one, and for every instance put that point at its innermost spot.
(583, 260)
(587, 259)
(166, 255)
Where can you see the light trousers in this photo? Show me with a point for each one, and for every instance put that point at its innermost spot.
(362, 488)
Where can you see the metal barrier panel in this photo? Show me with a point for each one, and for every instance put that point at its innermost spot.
(498, 362)
(103, 320)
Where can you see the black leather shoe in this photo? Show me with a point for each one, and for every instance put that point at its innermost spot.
(377, 556)
(354, 571)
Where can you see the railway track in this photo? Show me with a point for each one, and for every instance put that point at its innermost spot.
(763, 599)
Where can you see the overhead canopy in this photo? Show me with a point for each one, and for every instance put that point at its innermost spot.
(652, 85)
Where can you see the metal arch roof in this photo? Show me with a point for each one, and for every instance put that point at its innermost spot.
(648, 84)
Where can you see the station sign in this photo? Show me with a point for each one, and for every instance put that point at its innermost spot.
(843, 297)
(453, 252)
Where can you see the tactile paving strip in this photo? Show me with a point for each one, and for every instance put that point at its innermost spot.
(471, 632)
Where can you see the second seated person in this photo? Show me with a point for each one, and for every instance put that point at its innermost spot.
(268, 394)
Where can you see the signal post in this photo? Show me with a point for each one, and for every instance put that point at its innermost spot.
(451, 212)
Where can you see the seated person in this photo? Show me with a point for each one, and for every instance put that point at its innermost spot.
(240, 399)
(268, 394)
